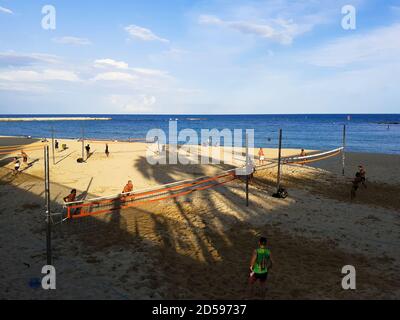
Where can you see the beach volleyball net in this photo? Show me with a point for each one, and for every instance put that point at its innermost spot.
(312, 157)
(117, 202)
(17, 149)
(113, 203)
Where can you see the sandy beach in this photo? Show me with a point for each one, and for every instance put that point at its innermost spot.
(198, 246)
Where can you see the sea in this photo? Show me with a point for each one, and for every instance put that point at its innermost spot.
(373, 133)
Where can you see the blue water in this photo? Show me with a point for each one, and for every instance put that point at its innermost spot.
(365, 133)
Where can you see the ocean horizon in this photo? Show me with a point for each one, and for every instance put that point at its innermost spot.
(372, 133)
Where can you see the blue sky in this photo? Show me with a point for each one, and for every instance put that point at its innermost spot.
(199, 57)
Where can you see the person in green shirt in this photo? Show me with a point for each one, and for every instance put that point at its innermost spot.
(260, 264)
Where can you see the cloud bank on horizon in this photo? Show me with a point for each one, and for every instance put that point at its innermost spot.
(200, 57)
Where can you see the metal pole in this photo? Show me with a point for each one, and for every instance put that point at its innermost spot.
(278, 181)
(52, 144)
(47, 195)
(83, 144)
(247, 168)
(344, 147)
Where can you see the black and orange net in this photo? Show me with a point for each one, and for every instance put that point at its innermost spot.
(104, 205)
(16, 149)
(110, 204)
(313, 157)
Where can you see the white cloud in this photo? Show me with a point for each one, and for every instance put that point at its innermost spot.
(128, 103)
(115, 76)
(280, 30)
(150, 72)
(72, 41)
(102, 63)
(35, 76)
(5, 10)
(144, 34)
(378, 45)
(12, 59)
(113, 64)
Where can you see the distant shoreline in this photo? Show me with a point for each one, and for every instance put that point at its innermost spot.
(55, 119)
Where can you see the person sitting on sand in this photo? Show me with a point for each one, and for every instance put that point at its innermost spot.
(260, 264)
(17, 165)
(71, 197)
(128, 187)
(357, 180)
(24, 157)
(362, 172)
(261, 156)
(107, 151)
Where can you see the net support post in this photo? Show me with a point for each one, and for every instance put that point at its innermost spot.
(343, 150)
(247, 168)
(47, 198)
(278, 179)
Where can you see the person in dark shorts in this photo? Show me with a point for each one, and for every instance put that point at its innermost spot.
(56, 145)
(107, 151)
(17, 165)
(87, 151)
(260, 264)
(356, 182)
(363, 173)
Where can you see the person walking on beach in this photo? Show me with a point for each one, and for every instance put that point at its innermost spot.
(87, 151)
(260, 264)
(357, 180)
(107, 151)
(17, 165)
(24, 157)
(261, 156)
(56, 145)
(363, 173)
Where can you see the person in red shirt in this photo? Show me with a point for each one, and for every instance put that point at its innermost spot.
(71, 197)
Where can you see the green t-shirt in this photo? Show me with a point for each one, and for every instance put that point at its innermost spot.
(263, 256)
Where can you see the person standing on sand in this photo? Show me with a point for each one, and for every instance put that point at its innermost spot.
(56, 145)
(87, 151)
(17, 165)
(107, 151)
(261, 156)
(260, 264)
(303, 154)
(357, 180)
(362, 172)
(24, 157)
